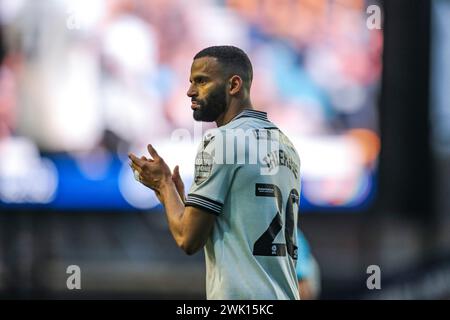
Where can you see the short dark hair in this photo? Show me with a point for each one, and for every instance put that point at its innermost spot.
(233, 59)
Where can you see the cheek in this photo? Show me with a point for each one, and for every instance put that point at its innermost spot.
(203, 93)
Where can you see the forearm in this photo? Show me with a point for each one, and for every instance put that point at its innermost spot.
(189, 228)
(174, 208)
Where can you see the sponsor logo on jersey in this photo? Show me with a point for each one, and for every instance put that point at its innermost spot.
(203, 167)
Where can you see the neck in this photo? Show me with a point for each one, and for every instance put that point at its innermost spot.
(233, 110)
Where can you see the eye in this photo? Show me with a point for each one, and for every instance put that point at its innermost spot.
(201, 80)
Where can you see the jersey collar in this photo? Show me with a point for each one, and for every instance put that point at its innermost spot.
(248, 113)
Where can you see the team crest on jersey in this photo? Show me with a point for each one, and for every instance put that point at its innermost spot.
(203, 167)
(207, 140)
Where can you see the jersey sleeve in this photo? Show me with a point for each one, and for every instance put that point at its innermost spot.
(212, 177)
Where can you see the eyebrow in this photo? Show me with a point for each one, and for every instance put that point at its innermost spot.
(199, 76)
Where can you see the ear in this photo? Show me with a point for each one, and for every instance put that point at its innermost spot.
(235, 85)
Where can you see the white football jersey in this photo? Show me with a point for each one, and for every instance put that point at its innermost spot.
(247, 173)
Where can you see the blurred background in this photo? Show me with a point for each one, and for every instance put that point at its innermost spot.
(365, 101)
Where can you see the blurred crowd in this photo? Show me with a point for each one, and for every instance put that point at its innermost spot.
(109, 76)
(77, 74)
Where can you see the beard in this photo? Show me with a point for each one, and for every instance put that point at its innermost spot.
(211, 107)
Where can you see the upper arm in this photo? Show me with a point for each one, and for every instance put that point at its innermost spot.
(198, 224)
(206, 197)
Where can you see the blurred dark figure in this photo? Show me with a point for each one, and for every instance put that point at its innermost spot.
(308, 271)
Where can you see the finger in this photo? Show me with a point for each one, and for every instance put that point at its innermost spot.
(136, 160)
(137, 175)
(152, 152)
(136, 171)
(147, 159)
(176, 172)
(135, 167)
(176, 178)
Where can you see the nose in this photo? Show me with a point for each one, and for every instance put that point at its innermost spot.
(191, 91)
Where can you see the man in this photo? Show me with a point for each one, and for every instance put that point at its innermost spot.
(244, 213)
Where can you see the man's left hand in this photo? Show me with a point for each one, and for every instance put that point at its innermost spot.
(153, 173)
